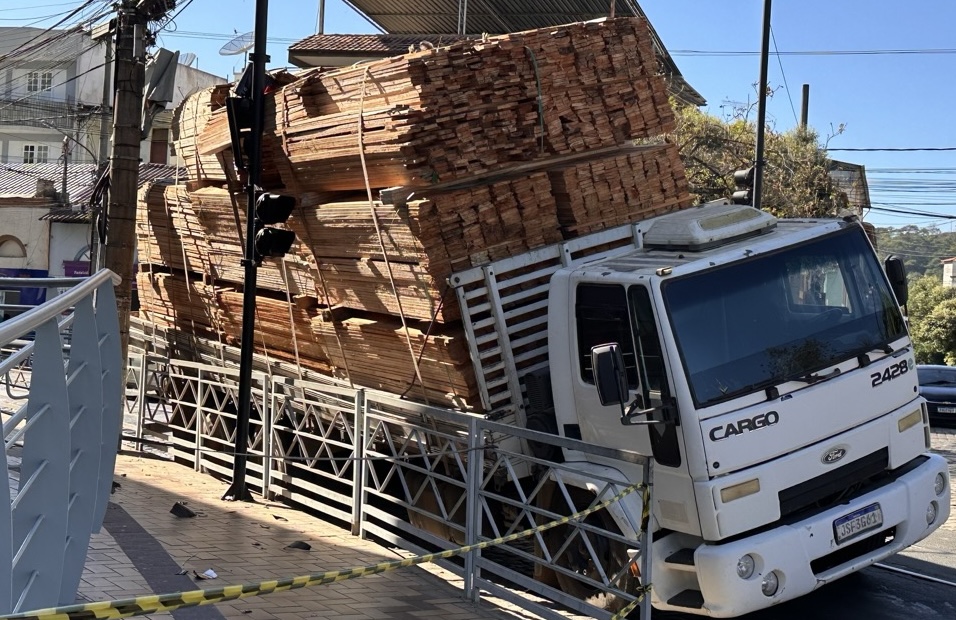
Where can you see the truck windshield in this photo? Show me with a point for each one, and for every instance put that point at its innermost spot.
(781, 317)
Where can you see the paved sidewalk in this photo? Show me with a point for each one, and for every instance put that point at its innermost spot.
(143, 546)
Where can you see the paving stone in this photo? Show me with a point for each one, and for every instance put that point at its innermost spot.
(152, 545)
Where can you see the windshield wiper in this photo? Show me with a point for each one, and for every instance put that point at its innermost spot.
(811, 378)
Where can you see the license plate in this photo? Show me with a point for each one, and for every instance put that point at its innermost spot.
(946, 409)
(857, 522)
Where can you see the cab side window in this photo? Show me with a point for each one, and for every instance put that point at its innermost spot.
(602, 317)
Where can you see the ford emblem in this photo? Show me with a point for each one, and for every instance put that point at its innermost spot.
(834, 455)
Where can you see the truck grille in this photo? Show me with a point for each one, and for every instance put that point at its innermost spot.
(834, 486)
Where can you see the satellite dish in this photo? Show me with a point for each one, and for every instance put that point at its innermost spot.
(188, 59)
(241, 43)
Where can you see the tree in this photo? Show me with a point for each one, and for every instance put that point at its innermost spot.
(931, 311)
(796, 176)
(921, 248)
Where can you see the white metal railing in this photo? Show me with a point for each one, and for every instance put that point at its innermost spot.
(418, 477)
(61, 409)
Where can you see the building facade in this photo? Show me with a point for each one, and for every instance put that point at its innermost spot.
(56, 99)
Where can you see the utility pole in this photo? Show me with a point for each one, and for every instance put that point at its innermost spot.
(805, 106)
(64, 197)
(120, 246)
(762, 105)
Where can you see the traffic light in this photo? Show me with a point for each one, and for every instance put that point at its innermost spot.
(273, 242)
(239, 113)
(744, 186)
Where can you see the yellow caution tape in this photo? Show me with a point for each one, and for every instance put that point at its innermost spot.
(156, 603)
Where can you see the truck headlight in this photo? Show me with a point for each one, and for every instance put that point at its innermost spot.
(745, 566)
(940, 485)
(931, 512)
(770, 583)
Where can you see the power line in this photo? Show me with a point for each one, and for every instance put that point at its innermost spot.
(874, 52)
(898, 149)
(941, 216)
(782, 73)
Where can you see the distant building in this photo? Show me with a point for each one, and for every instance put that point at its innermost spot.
(949, 271)
(55, 125)
(40, 237)
(56, 96)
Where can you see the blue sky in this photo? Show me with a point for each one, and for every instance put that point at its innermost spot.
(899, 100)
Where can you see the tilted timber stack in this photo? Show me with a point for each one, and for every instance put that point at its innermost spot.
(407, 170)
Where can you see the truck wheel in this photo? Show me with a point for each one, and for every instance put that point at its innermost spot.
(611, 554)
(430, 504)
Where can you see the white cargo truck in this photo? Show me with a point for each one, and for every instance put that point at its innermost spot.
(764, 363)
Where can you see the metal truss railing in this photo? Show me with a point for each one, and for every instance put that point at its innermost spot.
(61, 419)
(421, 478)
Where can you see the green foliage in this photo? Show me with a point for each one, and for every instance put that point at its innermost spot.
(796, 182)
(921, 249)
(932, 320)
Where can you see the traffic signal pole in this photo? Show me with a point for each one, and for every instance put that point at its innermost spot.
(238, 491)
(762, 106)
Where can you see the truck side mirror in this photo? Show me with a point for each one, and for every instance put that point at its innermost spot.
(610, 378)
(896, 272)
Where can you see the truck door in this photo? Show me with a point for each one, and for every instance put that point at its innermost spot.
(653, 378)
(606, 313)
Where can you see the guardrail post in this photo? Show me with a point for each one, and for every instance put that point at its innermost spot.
(141, 396)
(358, 463)
(268, 409)
(200, 400)
(473, 508)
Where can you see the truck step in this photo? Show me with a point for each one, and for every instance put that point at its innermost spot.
(691, 599)
(682, 557)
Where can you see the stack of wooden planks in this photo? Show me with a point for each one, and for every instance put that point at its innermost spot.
(406, 170)
(609, 192)
(190, 119)
(168, 232)
(376, 351)
(465, 109)
(218, 211)
(174, 300)
(274, 335)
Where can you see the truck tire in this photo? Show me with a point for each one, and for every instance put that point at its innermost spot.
(612, 554)
(430, 504)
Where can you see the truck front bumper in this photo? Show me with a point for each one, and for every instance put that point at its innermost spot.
(805, 555)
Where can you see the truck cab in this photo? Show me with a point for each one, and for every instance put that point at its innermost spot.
(767, 367)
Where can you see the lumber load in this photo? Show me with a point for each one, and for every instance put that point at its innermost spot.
(173, 301)
(281, 329)
(373, 351)
(190, 119)
(217, 211)
(367, 284)
(197, 232)
(462, 109)
(424, 241)
(168, 232)
(407, 170)
(612, 191)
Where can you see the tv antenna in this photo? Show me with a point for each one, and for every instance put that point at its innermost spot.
(239, 44)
